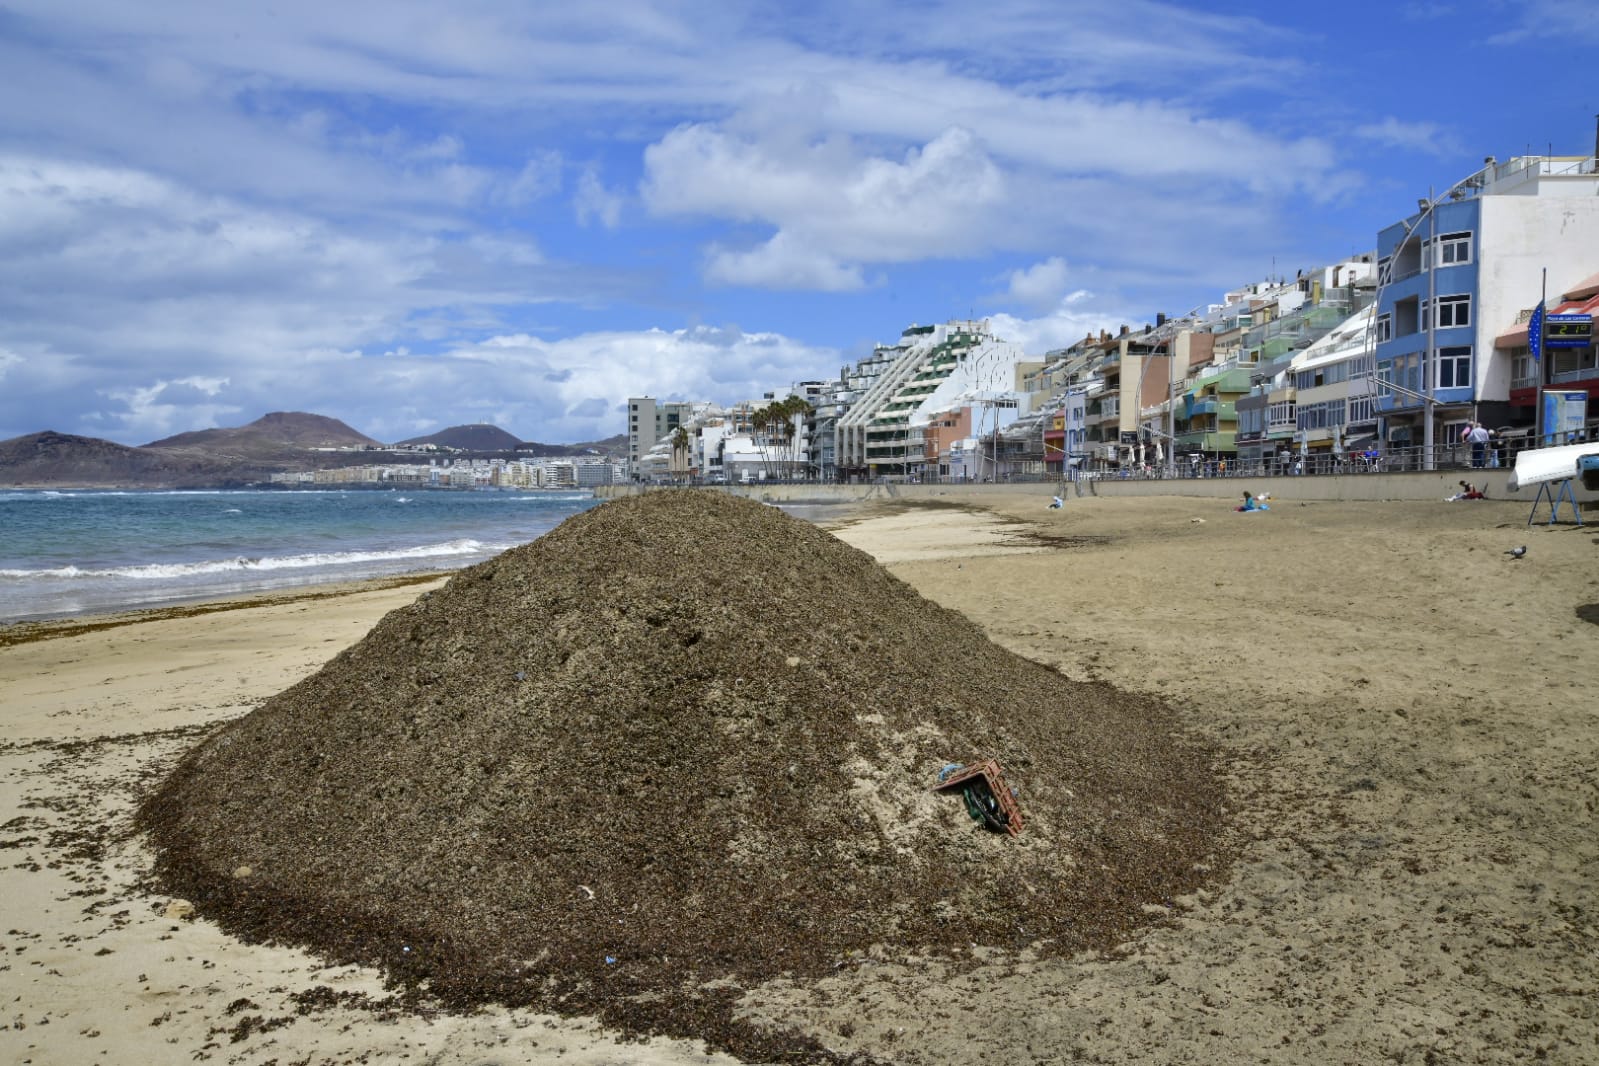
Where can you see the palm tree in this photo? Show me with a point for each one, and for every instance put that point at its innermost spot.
(762, 419)
(680, 453)
(793, 407)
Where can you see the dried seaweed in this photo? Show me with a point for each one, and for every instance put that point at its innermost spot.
(679, 745)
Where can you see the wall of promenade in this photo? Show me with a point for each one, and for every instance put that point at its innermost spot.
(1412, 485)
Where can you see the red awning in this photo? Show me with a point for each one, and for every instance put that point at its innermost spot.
(1587, 306)
(1516, 336)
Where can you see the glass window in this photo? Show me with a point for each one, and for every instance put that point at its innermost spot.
(1521, 364)
(1454, 368)
(1454, 311)
(1454, 249)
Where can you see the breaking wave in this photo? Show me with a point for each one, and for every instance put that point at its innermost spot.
(243, 563)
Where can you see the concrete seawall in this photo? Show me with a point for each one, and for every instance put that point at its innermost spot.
(1417, 485)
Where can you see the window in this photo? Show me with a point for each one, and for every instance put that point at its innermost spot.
(1385, 328)
(1522, 368)
(1454, 368)
(1407, 376)
(1454, 311)
(1454, 249)
(1321, 415)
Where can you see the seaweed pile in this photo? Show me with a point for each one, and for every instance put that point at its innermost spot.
(680, 744)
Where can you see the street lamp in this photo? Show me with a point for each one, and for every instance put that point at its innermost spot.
(1429, 366)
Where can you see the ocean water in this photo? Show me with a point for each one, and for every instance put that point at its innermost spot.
(82, 552)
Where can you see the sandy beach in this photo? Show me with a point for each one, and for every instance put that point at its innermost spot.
(1409, 733)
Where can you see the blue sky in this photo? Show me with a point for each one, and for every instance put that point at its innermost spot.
(412, 215)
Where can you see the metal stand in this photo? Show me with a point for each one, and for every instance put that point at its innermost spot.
(1555, 495)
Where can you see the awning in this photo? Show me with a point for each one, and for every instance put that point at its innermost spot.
(1586, 306)
(1583, 300)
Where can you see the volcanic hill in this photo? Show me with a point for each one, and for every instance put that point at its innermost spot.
(276, 435)
(478, 437)
(682, 739)
(54, 459)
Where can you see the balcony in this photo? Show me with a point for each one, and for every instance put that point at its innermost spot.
(1207, 441)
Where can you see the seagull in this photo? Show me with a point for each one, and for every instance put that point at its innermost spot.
(1517, 553)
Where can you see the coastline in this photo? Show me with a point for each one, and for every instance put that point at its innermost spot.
(29, 630)
(1409, 732)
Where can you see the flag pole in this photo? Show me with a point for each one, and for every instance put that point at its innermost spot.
(1540, 356)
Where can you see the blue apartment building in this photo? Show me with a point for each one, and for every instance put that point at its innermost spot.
(1466, 265)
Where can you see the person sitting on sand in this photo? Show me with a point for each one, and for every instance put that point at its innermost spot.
(1468, 491)
(1251, 503)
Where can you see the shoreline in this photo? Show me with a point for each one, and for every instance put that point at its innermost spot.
(27, 630)
(1411, 740)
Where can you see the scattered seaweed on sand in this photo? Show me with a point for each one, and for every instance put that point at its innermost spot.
(680, 745)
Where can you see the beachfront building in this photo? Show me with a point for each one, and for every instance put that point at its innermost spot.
(931, 369)
(1453, 276)
(1059, 390)
(650, 421)
(834, 402)
(821, 429)
(1006, 428)
(1075, 396)
(1178, 349)
(1296, 317)
(1131, 372)
(1334, 416)
(946, 445)
(1207, 420)
(1568, 368)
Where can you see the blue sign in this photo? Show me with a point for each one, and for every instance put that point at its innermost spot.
(1567, 331)
(1565, 411)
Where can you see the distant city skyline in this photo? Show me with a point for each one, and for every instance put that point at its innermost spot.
(409, 217)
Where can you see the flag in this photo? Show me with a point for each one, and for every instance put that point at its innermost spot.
(1535, 332)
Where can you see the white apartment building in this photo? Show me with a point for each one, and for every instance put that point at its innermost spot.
(931, 370)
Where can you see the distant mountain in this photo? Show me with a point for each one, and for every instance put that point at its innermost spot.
(487, 438)
(50, 458)
(611, 447)
(213, 458)
(473, 438)
(277, 436)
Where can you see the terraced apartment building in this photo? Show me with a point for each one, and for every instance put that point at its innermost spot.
(929, 371)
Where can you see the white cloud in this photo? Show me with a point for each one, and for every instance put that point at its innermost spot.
(1427, 137)
(577, 383)
(1073, 317)
(833, 207)
(180, 308)
(1040, 284)
(539, 177)
(1537, 20)
(782, 263)
(168, 407)
(594, 201)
